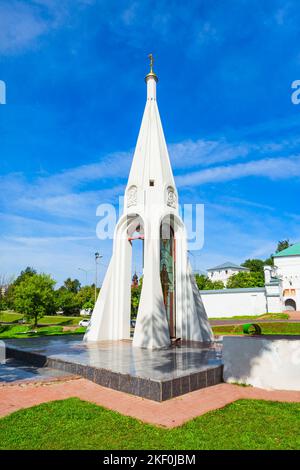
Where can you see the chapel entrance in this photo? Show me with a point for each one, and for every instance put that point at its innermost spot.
(290, 305)
(167, 274)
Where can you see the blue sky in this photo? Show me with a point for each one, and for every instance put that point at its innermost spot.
(74, 72)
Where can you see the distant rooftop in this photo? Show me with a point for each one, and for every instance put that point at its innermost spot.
(228, 265)
(293, 250)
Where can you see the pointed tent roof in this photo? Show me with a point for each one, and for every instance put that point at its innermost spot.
(151, 158)
(228, 265)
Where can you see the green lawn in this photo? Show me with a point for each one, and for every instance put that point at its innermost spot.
(25, 331)
(59, 320)
(10, 316)
(75, 424)
(264, 316)
(267, 329)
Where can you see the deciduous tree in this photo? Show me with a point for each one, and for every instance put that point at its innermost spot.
(34, 296)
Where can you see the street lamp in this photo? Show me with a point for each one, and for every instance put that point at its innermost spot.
(97, 257)
(86, 271)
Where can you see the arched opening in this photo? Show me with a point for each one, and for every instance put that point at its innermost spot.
(290, 305)
(136, 240)
(168, 273)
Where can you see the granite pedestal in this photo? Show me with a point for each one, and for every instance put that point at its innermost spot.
(154, 374)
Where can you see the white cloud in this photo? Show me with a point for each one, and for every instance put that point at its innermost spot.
(50, 221)
(23, 23)
(272, 168)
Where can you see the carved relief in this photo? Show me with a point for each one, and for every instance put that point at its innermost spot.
(132, 196)
(171, 197)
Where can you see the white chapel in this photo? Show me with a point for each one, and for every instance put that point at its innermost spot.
(170, 306)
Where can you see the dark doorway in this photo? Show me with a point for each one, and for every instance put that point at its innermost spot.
(290, 305)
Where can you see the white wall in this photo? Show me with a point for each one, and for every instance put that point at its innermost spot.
(231, 302)
(288, 269)
(274, 304)
(270, 363)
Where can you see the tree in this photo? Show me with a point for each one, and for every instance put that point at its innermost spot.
(5, 283)
(67, 301)
(72, 285)
(135, 300)
(213, 285)
(26, 273)
(246, 279)
(269, 261)
(86, 297)
(282, 245)
(255, 265)
(201, 280)
(204, 283)
(10, 293)
(34, 296)
(135, 297)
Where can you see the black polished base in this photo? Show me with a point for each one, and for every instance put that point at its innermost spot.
(157, 375)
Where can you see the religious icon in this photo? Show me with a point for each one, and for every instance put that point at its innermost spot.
(165, 282)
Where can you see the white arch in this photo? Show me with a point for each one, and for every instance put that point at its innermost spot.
(290, 305)
(111, 316)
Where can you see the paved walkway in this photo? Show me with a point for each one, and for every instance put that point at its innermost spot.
(170, 413)
(294, 316)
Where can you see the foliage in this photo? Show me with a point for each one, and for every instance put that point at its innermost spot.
(282, 245)
(8, 299)
(67, 301)
(28, 272)
(72, 285)
(69, 298)
(255, 265)
(201, 280)
(34, 296)
(269, 261)
(135, 300)
(204, 283)
(246, 279)
(213, 285)
(75, 424)
(86, 297)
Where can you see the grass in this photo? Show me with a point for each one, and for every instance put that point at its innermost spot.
(60, 320)
(264, 316)
(23, 331)
(267, 329)
(75, 424)
(10, 316)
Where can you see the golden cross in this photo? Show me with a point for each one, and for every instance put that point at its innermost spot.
(151, 62)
